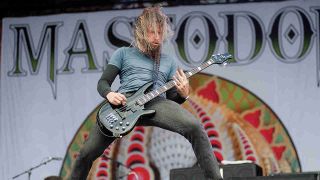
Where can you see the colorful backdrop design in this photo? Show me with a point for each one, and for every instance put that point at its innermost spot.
(50, 66)
(239, 124)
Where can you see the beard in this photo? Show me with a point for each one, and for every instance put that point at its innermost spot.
(153, 51)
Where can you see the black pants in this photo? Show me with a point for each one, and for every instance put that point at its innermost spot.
(170, 116)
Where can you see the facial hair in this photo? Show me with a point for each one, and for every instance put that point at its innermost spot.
(154, 52)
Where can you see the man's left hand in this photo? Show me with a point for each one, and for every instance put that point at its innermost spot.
(181, 83)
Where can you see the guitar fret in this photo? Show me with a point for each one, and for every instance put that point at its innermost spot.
(215, 59)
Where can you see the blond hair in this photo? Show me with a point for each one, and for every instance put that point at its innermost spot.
(151, 17)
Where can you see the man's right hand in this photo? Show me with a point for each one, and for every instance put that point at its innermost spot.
(116, 98)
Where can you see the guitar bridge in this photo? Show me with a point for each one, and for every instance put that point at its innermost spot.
(111, 118)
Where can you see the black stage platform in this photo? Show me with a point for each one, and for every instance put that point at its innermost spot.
(246, 171)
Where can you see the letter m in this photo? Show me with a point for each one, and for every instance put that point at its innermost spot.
(23, 42)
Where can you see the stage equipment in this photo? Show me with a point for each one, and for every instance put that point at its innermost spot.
(44, 162)
(228, 171)
(291, 176)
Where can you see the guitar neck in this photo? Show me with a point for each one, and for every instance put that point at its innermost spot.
(154, 93)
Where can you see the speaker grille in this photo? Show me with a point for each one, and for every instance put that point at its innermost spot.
(194, 173)
(241, 170)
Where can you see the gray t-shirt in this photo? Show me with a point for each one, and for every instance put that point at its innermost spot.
(136, 69)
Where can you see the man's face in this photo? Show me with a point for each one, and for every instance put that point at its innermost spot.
(154, 37)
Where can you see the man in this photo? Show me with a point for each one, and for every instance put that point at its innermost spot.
(137, 65)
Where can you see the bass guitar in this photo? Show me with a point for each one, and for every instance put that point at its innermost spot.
(120, 120)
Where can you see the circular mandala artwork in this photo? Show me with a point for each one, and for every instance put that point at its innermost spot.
(240, 126)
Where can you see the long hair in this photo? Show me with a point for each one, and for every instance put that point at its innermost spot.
(151, 17)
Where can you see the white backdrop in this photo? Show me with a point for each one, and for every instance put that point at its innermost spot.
(41, 113)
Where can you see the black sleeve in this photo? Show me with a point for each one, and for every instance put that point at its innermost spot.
(173, 95)
(104, 84)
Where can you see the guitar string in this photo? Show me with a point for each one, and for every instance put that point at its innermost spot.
(195, 70)
(169, 83)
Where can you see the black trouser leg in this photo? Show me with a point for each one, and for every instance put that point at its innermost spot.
(92, 149)
(171, 116)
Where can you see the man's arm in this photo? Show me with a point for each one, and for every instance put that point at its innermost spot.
(104, 86)
(106, 80)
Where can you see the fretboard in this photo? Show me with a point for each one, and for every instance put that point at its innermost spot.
(154, 93)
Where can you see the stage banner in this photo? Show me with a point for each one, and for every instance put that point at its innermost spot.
(262, 107)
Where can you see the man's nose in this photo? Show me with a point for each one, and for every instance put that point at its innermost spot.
(157, 37)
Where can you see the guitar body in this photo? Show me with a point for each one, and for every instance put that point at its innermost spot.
(120, 120)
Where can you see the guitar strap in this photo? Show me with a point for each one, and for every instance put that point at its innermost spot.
(155, 73)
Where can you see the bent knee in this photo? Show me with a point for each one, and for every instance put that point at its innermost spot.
(194, 127)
